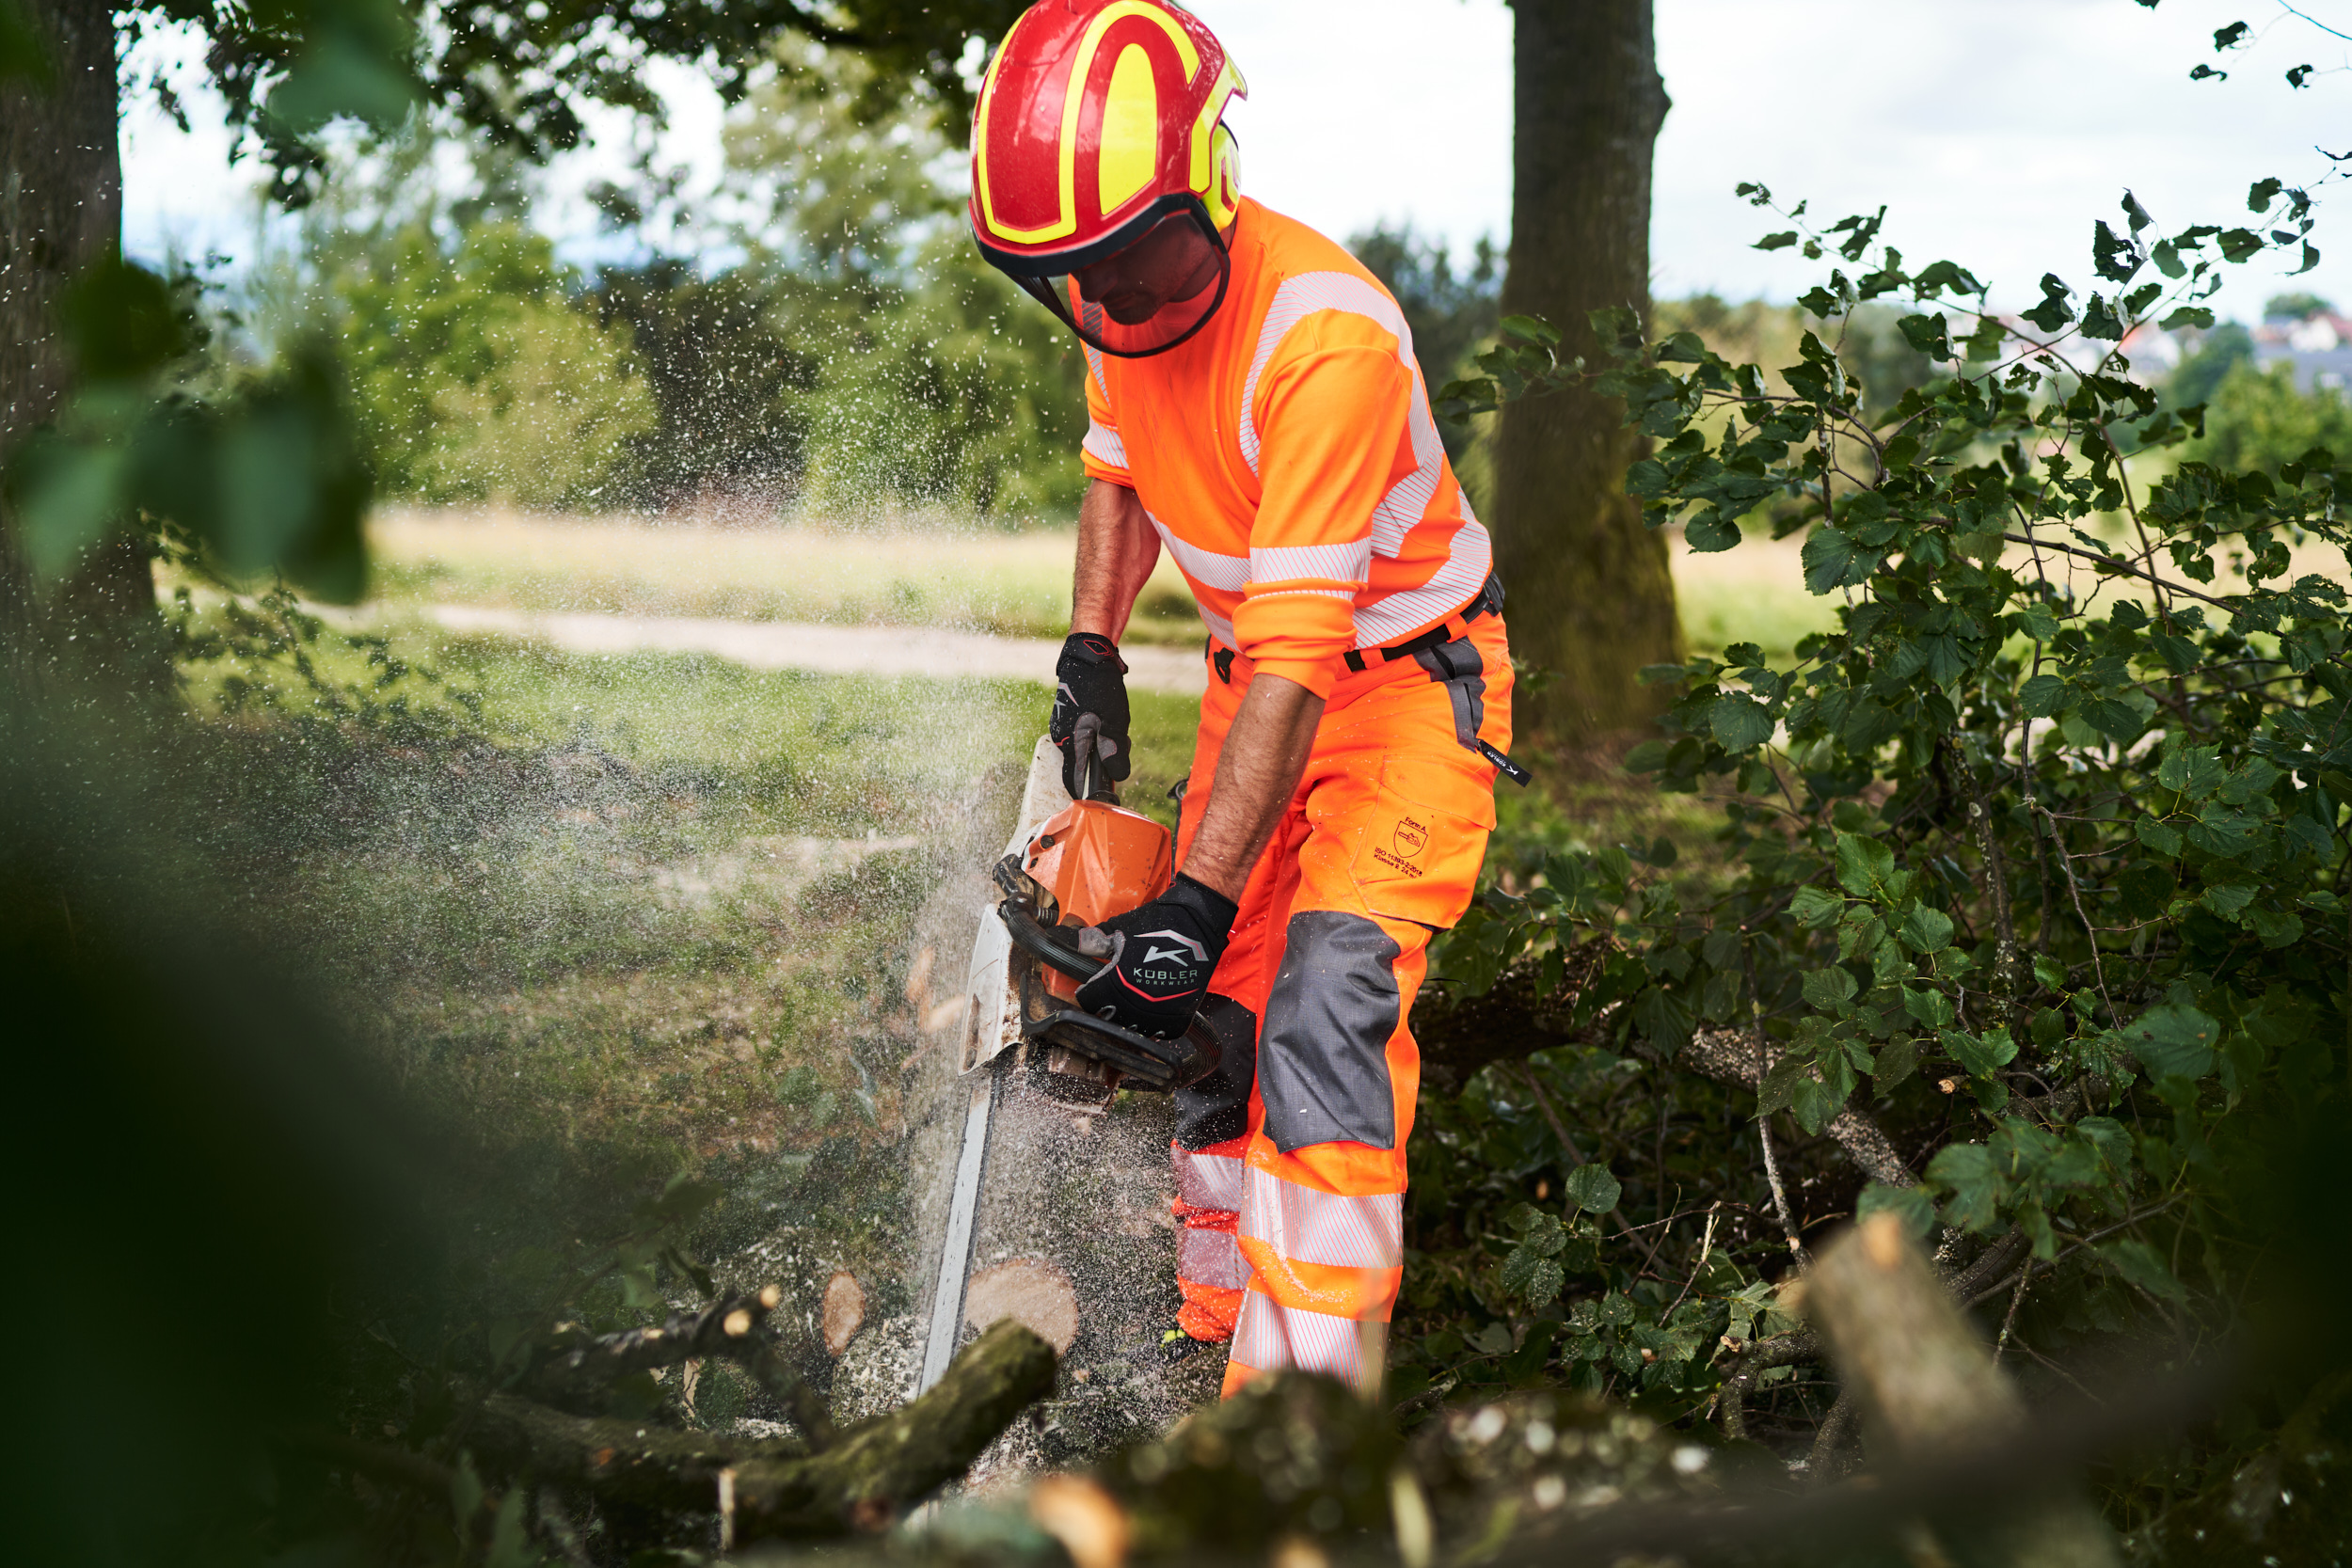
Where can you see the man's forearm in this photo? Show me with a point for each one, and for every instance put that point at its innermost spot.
(1257, 773)
(1116, 549)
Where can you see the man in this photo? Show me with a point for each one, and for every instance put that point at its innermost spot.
(1256, 409)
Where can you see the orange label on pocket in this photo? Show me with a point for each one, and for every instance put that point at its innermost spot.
(1419, 858)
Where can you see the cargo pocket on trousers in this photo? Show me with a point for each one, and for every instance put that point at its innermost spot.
(1425, 838)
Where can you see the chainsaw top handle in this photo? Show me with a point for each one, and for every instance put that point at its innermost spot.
(1043, 942)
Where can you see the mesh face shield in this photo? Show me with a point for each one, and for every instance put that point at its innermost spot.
(1148, 295)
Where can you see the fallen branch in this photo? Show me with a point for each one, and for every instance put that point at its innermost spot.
(1926, 1383)
(1729, 1056)
(576, 1370)
(767, 1490)
(1794, 1348)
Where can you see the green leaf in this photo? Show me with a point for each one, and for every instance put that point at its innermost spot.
(2159, 838)
(2173, 1041)
(1983, 1055)
(1864, 866)
(1832, 561)
(2053, 312)
(1648, 757)
(510, 1545)
(2275, 928)
(1816, 906)
(2198, 316)
(2043, 695)
(2115, 720)
(1928, 930)
(465, 1490)
(2142, 1265)
(1897, 1060)
(1777, 241)
(1929, 335)
(1532, 1276)
(1829, 987)
(2229, 898)
(125, 322)
(1739, 722)
(1592, 1189)
(1911, 1205)
(1967, 1172)
(1814, 1101)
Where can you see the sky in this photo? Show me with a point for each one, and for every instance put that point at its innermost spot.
(1996, 129)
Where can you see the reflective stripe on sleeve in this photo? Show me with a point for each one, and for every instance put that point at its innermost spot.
(1365, 1232)
(1270, 1336)
(1211, 1258)
(1469, 558)
(1227, 573)
(1207, 1180)
(1103, 445)
(1331, 562)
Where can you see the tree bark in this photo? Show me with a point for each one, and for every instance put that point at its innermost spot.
(1591, 596)
(60, 211)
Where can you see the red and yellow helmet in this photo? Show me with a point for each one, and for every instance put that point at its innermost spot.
(1098, 121)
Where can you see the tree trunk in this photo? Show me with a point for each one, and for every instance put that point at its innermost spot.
(1590, 598)
(61, 210)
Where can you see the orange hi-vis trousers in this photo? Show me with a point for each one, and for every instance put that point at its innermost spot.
(1290, 1160)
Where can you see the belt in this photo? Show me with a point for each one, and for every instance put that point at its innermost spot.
(1488, 601)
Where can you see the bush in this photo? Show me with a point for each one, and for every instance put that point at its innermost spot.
(476, 377)
(2036, 864)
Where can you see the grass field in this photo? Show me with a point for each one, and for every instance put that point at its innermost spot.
(1015, 584)
(1011, 583)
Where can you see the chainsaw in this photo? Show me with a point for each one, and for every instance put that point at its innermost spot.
(1084, 862)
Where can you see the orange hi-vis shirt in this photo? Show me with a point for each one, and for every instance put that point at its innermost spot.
(1289, 460)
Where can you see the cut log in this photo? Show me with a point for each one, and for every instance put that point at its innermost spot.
(843, 1310)
(777, 1490)
(1029, 1291)
(1928, 1387)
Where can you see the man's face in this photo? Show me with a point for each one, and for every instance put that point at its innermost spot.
(1172, 262)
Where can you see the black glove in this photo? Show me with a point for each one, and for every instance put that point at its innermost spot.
(1091, 706)
(1161, 958)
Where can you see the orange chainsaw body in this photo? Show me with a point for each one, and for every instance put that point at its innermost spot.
(1093, 860)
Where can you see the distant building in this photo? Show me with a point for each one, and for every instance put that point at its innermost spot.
(2319, 346)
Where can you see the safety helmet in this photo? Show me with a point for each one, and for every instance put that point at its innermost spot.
(1099, 121)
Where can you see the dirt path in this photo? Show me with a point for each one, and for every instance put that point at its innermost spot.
(831, 650)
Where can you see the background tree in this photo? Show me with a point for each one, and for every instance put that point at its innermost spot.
(1592, 598)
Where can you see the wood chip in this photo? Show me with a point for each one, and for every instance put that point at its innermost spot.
(843, 1311)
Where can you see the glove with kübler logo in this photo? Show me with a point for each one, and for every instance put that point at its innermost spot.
(1090, 707)
(1161, 958)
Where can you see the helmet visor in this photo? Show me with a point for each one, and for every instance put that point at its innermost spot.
(1147, 298)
